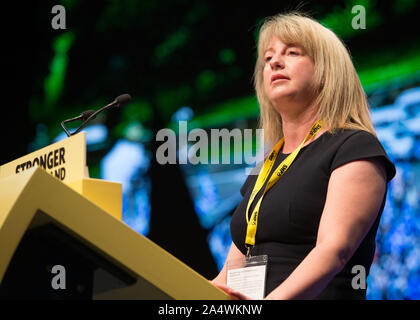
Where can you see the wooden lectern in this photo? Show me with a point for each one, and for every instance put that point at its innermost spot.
(45, 223)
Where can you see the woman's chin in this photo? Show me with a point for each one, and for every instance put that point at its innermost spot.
(280, 96)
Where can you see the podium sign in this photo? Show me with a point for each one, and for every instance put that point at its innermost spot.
(65, 160)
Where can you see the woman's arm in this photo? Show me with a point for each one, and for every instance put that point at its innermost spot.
(220, 281)
(355, 193)
(233, 254)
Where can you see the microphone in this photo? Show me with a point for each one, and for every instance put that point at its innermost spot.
(87, 116)
(83, 116)
(122, 100)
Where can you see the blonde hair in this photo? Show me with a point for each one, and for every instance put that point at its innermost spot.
(341, 101)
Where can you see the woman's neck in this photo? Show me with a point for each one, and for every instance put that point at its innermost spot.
(296, 128)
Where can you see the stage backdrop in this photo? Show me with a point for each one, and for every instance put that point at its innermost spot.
(192, 62)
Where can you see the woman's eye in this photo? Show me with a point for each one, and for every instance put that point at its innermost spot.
(294, 52)
(267, 59)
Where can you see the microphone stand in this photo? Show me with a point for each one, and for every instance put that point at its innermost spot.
(90, 114)
(84, 115)
(93, 115)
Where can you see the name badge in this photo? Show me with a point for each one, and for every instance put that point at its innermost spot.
(247, 275)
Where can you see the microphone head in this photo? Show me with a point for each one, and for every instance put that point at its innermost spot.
(123, 99)
(86, 114)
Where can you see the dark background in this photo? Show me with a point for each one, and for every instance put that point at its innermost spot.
(166, 54)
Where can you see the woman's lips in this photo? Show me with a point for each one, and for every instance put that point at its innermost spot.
(279, 78)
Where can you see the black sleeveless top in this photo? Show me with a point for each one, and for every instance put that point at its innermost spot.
(291, 210)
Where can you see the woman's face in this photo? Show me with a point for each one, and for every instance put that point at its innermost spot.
(288, 74)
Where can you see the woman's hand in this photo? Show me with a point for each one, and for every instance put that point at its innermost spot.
(236, 295)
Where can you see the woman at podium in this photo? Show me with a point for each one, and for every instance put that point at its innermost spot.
(306, 226)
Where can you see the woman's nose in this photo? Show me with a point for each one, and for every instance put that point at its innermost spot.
(277, 62)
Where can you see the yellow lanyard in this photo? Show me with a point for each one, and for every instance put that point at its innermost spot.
(262, 177)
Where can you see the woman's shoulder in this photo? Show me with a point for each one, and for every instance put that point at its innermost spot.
(354, 145)
(349, 139)
(354, 134)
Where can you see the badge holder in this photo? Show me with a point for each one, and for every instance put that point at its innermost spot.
(247, 275)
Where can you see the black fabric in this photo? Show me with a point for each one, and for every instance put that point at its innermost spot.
(290, 213)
